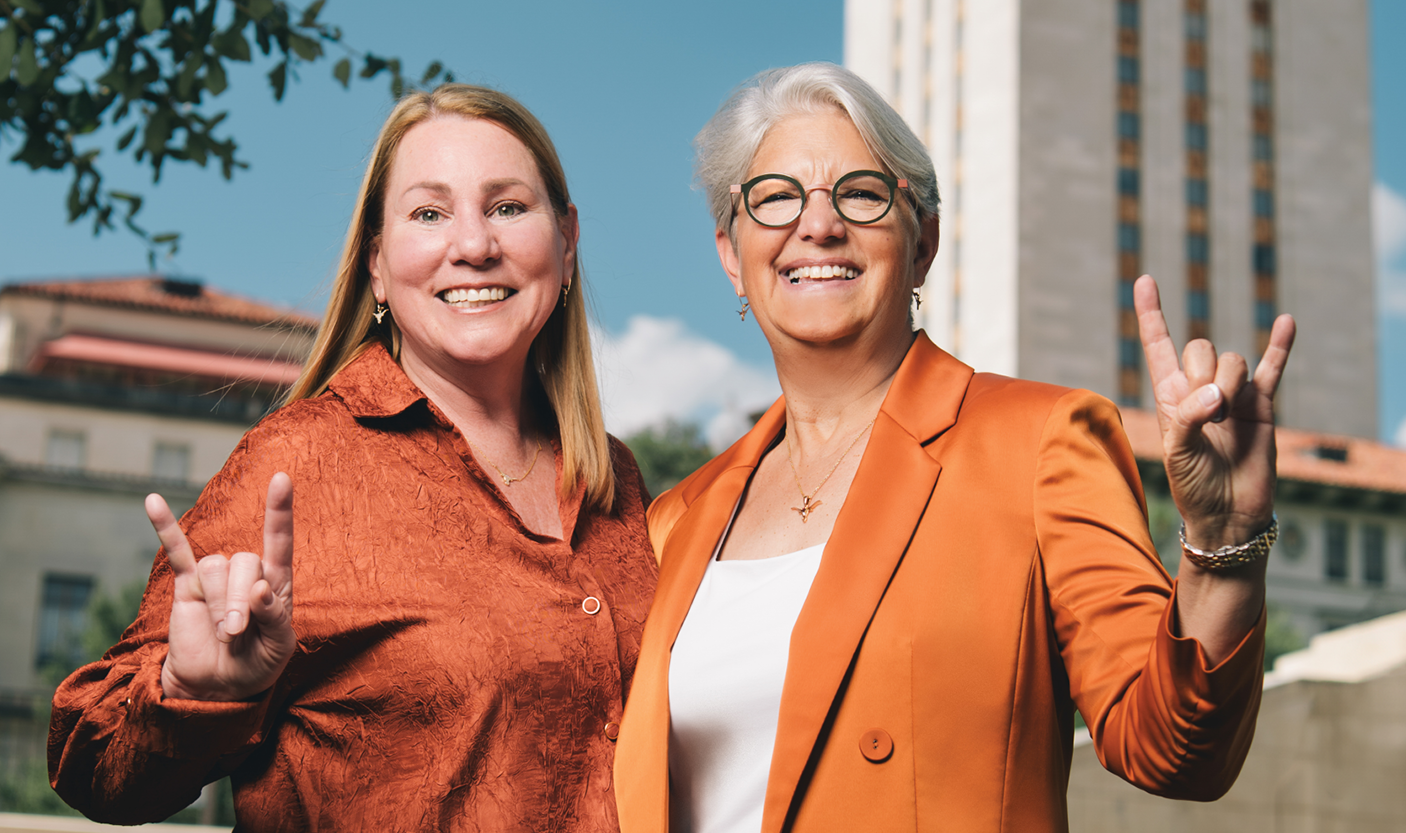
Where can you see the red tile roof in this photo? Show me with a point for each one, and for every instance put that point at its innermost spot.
(1303, 455)
(119, 353)
(163, 294)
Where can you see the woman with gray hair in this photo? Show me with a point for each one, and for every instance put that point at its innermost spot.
(880, 608)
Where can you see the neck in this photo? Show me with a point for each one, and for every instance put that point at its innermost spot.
(833, 389)
(483, 401)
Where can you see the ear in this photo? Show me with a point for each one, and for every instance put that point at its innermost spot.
(571, 235)
(373, 265)
(732, 264)
(929, 233)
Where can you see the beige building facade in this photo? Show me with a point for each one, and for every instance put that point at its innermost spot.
(1223, 147)
(111, 389)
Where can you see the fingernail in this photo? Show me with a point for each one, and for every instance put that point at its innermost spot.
(1211, 395)
(234, 622)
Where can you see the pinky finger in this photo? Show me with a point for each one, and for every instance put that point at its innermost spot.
(1276, 356)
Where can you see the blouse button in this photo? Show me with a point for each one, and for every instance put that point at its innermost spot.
(591, 605)
(612, 731)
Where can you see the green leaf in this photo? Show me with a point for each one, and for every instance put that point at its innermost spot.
(310, 14)
(342, 72)
(279, 79)
(165, 237)
(153, 14)
(28, 70)
(260, 9)
(31, 7)
(215, 80)
(431, 71)
(185, 82)
(231, 44)
(7, 49)
(305, 48)
(127, 138)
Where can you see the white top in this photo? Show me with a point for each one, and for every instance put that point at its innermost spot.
(725, 678)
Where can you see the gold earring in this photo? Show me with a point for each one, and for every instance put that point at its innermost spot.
(742, 313)
(380, 313)
(917, 299)
(565, 291)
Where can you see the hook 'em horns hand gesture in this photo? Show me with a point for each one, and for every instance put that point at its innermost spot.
(231, 617)
(1217, 428)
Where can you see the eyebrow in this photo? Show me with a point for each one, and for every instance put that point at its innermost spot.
(489, 187)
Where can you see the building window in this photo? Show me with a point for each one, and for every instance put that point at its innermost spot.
(1128, 125)
(1264, 203)
(171, 461)
(1264, 315)
(1198, 304)
(1196, 80)
(1264, 259)
(1373, 555)
(1197, 248)
(1196, 192)
(1196, 136)
(63, 616)
(1128, 237)
(66, 449)
(1335, 550)
(1128, 182)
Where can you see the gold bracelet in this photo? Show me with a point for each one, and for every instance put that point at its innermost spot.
(1231, 557)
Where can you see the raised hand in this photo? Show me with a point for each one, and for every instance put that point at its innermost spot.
(1217, 425)
(232, 618)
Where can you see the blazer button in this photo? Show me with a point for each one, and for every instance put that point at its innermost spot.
(591, 605)
(612, 731)
(876, 745)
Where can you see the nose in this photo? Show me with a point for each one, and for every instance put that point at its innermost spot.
(819, 221)
(472, 240)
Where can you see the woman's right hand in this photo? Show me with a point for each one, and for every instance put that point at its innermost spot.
(232, 618)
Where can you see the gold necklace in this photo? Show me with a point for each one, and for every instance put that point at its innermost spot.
(507, 479)
(808, 501)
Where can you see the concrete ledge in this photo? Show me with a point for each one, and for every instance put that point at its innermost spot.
(18, 823)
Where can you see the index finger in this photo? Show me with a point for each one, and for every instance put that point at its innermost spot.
(178, 550)
(1152, 327)
(278, 532)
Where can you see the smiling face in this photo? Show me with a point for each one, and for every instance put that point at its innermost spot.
(821, 280)
(471, 257)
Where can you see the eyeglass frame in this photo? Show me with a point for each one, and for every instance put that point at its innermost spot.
(745, 189)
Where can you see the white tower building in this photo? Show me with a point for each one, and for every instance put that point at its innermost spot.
(1221, 145)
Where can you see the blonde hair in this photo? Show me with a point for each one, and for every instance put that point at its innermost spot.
(561, 352)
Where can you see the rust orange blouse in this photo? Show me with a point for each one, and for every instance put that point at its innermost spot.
(454, 671)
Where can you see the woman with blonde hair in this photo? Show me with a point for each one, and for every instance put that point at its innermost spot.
(467, 543)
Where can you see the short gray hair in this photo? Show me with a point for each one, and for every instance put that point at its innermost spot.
(728, 142)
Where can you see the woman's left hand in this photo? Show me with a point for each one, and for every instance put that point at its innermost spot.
(1217, 426)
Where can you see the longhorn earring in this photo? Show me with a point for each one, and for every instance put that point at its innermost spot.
(380, 313)
(917, 299)
(565, 292)
(742, 313)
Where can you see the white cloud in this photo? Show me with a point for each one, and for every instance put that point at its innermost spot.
(658, 369)
(1389, 242)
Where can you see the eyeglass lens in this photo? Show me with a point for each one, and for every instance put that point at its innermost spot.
(860, 197)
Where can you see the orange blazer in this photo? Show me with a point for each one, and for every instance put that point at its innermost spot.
(990, 570)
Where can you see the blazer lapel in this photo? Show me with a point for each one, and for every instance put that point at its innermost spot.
(886, 501)
(642, 755)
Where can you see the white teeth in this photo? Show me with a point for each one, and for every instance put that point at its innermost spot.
(474, 298)
(821, 273)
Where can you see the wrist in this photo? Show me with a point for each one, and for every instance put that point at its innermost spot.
(1248, 550)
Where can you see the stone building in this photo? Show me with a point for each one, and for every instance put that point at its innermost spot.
(111, 389)
(1224, 147)
(1329, 751)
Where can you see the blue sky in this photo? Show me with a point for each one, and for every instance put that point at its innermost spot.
(622, 86)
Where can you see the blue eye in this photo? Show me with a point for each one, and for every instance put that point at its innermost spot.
(507, 209)
(427, 215)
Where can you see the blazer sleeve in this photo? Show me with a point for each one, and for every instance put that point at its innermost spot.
(1160, 716)
(119, 750)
